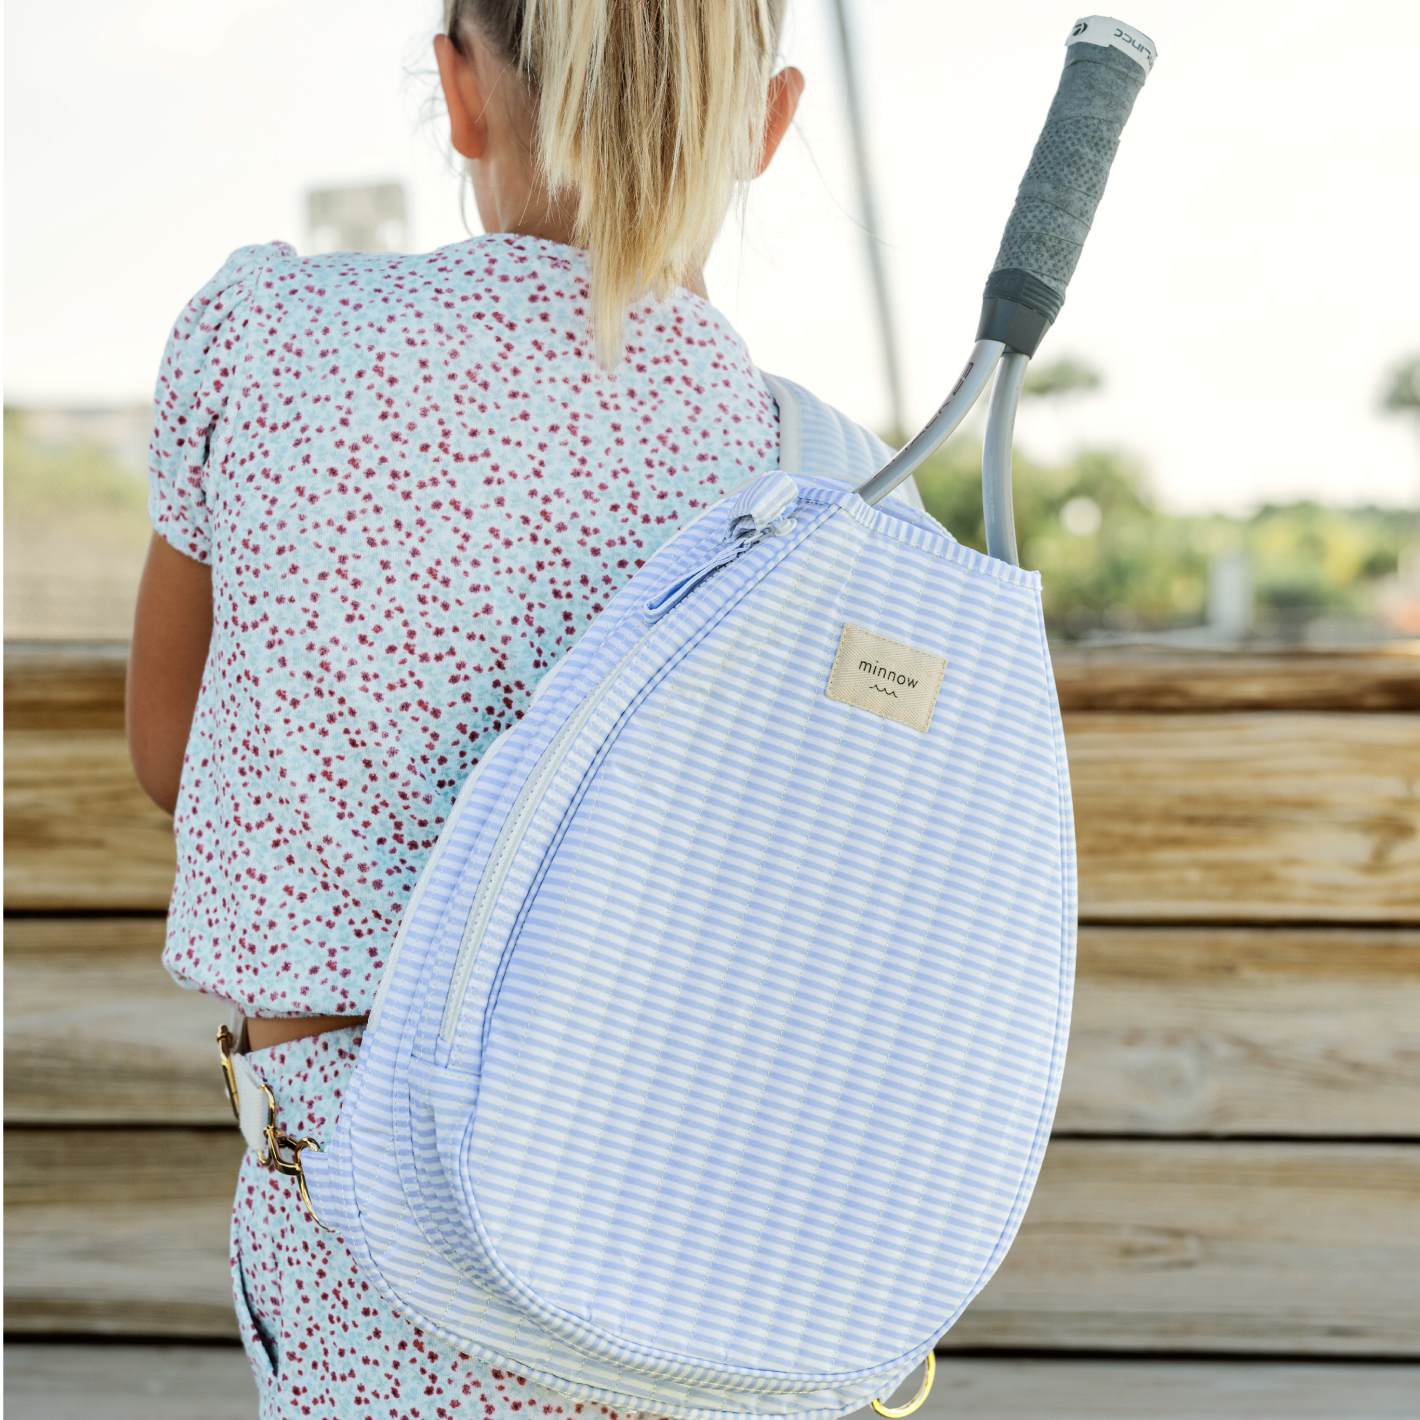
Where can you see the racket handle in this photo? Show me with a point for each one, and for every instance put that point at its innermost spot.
(1106, 64)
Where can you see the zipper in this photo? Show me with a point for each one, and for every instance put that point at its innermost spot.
(740, 543)
(511, 835)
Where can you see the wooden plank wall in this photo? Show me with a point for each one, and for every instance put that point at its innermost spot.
(1236, 1167)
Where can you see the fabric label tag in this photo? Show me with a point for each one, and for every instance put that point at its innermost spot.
(895, 681)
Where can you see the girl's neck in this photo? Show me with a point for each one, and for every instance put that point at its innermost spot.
(514, 207)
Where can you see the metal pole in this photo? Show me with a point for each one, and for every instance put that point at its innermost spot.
(868, 214)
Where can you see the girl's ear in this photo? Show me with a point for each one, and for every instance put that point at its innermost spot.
(785, 89)
(463, 95)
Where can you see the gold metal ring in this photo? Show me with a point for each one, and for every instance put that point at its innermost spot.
(895, 1412)
(276, 1142)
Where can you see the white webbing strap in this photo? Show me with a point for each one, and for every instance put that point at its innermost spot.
(254, 1109)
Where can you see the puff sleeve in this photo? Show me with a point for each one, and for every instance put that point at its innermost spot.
(194, 405)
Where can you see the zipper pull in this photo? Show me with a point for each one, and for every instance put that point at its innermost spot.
(759, 510)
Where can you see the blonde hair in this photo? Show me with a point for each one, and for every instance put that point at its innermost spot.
(651, 113)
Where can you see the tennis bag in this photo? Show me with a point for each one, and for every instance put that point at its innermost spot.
(718, 1052)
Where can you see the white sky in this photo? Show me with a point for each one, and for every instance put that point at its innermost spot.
(1252, 275)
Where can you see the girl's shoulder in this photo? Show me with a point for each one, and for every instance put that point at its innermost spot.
(277, 266)
(350, 288)
(498, 257)
(235, 282)
(269, 282)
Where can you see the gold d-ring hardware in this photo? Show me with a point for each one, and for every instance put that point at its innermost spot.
(282, 1152)
(895, 1412)
(276, 1141)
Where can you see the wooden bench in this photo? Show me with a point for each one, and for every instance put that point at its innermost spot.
(1236, 1161)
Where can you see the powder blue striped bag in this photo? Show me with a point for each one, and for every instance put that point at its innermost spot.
(720, 1043)
(723, 1035)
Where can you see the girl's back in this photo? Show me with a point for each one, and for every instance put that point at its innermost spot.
(414, 486)
(388, 494)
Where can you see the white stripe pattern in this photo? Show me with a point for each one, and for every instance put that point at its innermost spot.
(735, 1095)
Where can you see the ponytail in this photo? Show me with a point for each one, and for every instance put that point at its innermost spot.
(650, 112)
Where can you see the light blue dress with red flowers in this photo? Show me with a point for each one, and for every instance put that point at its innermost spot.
(415, 487)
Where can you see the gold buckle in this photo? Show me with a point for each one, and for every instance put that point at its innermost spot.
(895, 1412)
(225, 1041)
(282, 1152)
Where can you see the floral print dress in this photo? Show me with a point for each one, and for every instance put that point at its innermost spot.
(414, 487)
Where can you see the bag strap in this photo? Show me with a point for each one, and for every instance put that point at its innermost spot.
(815, 438)
(791, 429)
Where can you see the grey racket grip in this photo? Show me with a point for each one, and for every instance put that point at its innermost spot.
(1056, 201)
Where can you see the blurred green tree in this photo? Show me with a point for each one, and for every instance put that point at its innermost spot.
(76, 529)
(1064, 376)
(1402, 395)
(1112, 560)
(46, 480)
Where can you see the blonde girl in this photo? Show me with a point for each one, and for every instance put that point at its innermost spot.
(388, 492)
